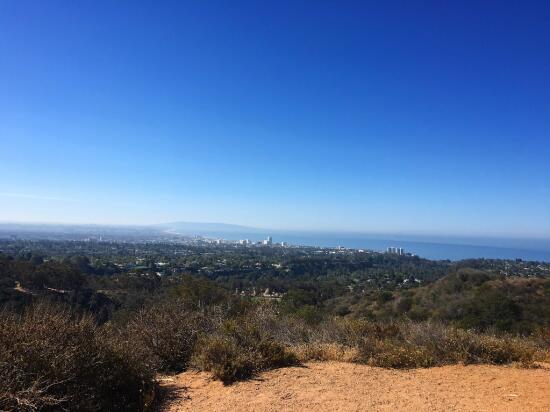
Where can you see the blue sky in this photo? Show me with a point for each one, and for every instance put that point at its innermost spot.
(368, 116)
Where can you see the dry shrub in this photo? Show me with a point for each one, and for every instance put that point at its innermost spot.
(52, 360)
(391, 354)
(542, 337)
(324, 352)
(400, 344)
(498, 350)
(452, 345)
(241, 348)
(429, 344)
(227, 361)
(543, 355)
(286, 330)
(165, 334)
(341, 331)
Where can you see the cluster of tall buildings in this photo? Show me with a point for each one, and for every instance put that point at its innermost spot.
(266, 242)
(395, 250)
(247, 242)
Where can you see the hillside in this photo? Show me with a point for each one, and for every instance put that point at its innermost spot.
(468, 298)
(101, 320)
(334, 386)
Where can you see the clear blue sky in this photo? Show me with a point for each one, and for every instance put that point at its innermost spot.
(370, 116)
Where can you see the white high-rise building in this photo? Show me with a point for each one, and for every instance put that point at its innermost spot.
(395, 250)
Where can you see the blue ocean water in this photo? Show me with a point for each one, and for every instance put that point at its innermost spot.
(430, 247)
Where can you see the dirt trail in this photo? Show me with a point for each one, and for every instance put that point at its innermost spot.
(335, 386)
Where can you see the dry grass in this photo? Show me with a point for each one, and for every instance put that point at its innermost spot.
(408, 344)
(412, 345)
(325, 352)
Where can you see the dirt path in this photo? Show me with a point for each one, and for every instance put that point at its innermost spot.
(334, 386)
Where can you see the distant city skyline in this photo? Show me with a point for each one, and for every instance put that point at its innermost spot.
(356, 116)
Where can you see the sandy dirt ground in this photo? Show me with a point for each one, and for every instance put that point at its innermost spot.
(335, 386)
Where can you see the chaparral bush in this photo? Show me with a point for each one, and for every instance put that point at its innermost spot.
(51, 359)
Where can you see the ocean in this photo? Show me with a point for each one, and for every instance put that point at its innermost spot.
(429, 247)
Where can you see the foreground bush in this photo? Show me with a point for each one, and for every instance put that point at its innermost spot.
(240, 349)
(429, 344)
(50, 360)
(164, 334)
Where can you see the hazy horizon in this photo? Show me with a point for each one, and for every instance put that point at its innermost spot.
(422, 119)
(239, 228)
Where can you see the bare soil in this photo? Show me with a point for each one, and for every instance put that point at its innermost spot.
(336, 386)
